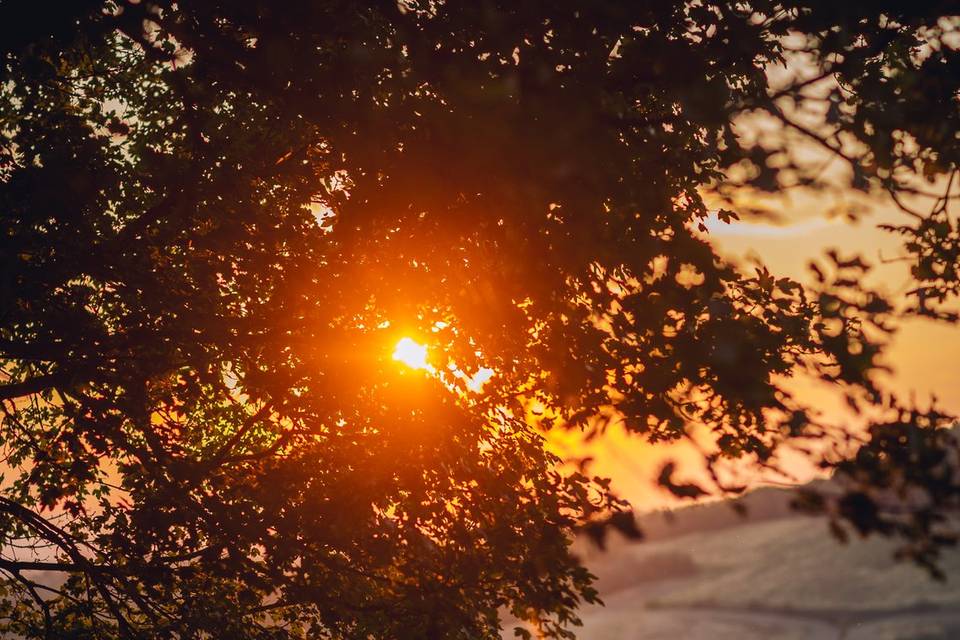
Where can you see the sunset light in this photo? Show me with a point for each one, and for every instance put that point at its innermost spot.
(444, 320)
(476, 382)
(412, 354)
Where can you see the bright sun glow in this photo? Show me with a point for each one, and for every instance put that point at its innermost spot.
(476, 383)
(411, 354)
(414, 355)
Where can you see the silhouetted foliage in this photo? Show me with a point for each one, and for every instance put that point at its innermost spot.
(217, 218)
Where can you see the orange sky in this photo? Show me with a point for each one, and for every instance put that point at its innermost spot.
(923, 355)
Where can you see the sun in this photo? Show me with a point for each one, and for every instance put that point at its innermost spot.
(412, 354)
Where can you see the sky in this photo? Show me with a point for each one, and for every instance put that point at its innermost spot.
(923, 355)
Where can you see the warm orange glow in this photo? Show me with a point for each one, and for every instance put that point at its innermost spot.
(412, 354)
(476, 383)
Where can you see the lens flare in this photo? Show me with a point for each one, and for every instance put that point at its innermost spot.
(412, 354)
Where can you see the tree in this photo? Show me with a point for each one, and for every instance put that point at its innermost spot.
(219, 217)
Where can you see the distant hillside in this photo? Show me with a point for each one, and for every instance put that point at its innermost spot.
(706, 573)
(767, 503)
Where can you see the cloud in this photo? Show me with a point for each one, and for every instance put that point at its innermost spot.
(758, 229)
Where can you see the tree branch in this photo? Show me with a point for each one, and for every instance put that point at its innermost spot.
(31, 386)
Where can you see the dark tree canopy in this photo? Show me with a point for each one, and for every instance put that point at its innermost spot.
(218, 217)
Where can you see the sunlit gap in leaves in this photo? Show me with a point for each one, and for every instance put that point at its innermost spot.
(574, 446)
(412, 354)
(416, 356)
